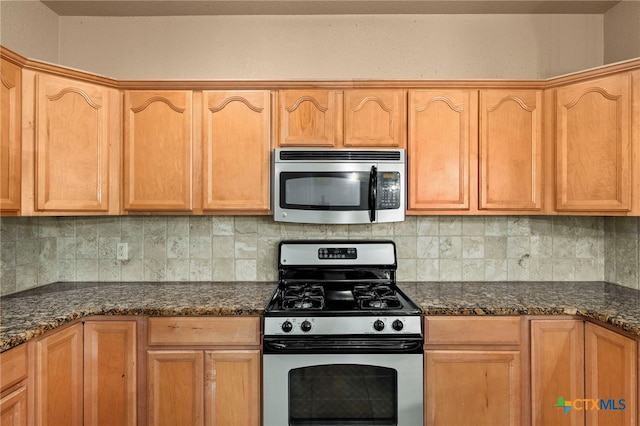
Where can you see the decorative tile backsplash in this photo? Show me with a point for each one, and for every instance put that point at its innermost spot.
(39, 251)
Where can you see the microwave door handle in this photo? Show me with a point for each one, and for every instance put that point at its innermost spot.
(373, 192)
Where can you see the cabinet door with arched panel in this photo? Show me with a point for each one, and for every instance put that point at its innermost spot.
(10, 136)
(374, 118)
(310, 118)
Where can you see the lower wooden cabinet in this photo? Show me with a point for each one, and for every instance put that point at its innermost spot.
(15, 387)
(58, 378)
(582, 373)
(110, 373)
(217, 385)
(473, 371)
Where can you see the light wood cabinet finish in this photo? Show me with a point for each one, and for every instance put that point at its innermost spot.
(510, 150)
(10, 136)
(232, 387)
(229, 330)
(481, 385)
(175, 384)
(442, 127)
(374, 118)
(110, 373)
(611, 372)
(309, 118)
(593, 145)
(76, 160)
(557, 370)
(14, 387)
(58, 378)
(237, 151)
(158, 151)
(473, 370)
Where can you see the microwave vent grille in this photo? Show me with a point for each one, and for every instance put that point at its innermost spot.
(341, 155)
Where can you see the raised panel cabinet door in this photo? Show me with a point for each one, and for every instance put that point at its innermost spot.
(232, 388)
(175, 387)
(466, 387)
(58, 380)
(557, 371)
(110, 375)
(593, 145)
(10, 136)
(13, 408)
(73, 122)
(309, 118)
(236, 152)
(158, 151)
(374, 118)
(510, 150)
(611, 369)
(441, 131)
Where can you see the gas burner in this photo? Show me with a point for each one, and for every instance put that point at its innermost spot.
(303, 296)
(376, 296)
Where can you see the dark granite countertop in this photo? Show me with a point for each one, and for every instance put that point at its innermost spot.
(31, 313)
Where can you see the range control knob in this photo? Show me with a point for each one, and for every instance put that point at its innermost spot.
(397, 325)
(287, 326)
(305, 326)
(378, 325)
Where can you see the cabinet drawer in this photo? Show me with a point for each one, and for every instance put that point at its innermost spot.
(13, 366)
(473, 330)
(232, 330)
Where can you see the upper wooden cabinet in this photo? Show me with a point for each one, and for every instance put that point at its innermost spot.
(158, 151)
(10, 136)
(510, 150)
(374, 118)
(358, 118)
(593, 145)
(309, 118)
(442, 137)
(236, 151)
(77, 147)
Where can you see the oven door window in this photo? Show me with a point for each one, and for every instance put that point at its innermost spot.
(343, 394)
(324, 190)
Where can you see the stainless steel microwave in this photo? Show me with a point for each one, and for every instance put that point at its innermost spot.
(341, 186)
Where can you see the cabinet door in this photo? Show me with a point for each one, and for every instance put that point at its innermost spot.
(236, 153)
(110, 373)
(175, 387)
(593, 145)
(73, 146)
(232, 387)
(309, 118)
(374, 118)
(611, 365)
(510, 150)
(557, 371)
(58, 381)
(479, 385)
(158, 151)
(441, 132)
(13, 408)
(10, 136)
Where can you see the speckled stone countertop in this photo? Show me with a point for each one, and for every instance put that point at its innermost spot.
(29, 314)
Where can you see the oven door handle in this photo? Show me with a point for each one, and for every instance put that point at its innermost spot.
(346, 345)
(373, 193)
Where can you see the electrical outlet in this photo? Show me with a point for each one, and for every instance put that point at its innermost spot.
(122, 251)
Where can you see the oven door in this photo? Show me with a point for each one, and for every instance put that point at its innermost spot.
(343, 389)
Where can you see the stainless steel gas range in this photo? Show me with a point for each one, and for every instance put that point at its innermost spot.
(342, 343)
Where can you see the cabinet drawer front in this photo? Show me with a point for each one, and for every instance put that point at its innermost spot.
(473, 330)
(233, 330)
(13, 366)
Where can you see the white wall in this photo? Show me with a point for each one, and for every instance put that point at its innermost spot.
(29, 28)
(622, 32)
(333, 47)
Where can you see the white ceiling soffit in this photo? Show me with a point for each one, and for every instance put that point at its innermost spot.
(320, 7)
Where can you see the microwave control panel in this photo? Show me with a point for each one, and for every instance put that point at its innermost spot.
(389, 187)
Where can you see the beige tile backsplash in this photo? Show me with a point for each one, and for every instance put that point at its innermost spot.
(39, 251)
